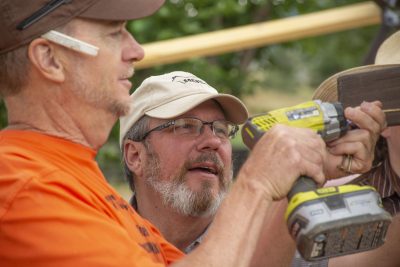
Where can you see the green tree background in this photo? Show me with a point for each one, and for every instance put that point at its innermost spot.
(266, 77)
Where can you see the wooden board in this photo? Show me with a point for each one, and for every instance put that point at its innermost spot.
(260, 34)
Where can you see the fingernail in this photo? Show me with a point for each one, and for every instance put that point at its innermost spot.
(366, 105)
(350, 112)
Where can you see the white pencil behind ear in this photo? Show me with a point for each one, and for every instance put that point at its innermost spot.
(71, 43)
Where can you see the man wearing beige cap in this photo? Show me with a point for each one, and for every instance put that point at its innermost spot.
(177, 158)
(180, 181)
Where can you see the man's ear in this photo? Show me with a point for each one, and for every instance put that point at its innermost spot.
(133, 156)
(42, 55)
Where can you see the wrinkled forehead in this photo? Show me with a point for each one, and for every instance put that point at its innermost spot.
(208, 110)
(91, 25)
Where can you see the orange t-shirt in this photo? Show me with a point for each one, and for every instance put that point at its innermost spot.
(57, 209)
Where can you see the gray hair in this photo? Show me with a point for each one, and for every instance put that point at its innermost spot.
(136, 132)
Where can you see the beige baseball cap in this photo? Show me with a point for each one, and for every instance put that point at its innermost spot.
(170, 95)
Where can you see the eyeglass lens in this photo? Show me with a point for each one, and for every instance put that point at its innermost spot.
(192, 126)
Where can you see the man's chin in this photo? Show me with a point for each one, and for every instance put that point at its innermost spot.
(120, 109)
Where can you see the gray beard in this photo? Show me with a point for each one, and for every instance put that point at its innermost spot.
(177, 195)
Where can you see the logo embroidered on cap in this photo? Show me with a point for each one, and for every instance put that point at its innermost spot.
(184, 80)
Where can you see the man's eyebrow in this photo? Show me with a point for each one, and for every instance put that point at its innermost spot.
(114, 23)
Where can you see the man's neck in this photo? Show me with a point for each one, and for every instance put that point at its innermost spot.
(178, 229)
(53, 117)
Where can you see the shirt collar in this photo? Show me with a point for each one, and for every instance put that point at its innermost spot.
(192, 245)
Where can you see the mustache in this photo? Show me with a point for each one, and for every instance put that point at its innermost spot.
(128, 74)
(207, 157)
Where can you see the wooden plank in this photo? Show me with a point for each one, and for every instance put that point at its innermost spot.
(260, 34)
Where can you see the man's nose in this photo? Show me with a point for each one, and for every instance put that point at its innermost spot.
(207, 140)
(132, 50)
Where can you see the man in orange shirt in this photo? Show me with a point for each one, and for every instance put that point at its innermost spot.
(63, 95)
(64, 72)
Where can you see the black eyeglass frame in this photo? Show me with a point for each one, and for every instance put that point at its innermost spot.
(170, 123)
(42, 12)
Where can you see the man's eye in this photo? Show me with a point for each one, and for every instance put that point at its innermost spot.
(222, 130)
(185, 128)
(188, 126)
(116, 33)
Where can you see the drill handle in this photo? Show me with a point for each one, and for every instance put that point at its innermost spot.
(303, 184)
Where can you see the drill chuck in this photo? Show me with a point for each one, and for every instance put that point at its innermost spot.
(335, 124)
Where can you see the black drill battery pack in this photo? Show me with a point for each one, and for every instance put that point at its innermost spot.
(336, 221)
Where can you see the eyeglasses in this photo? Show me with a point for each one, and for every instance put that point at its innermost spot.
(193, 127)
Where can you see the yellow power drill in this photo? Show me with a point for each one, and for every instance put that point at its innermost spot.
(331, 221)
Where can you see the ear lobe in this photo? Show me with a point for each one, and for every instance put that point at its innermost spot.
(45, 61)
(132, 156)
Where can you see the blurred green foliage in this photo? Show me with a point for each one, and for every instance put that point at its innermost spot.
(3, 115)
(286, 66)
(307, 62)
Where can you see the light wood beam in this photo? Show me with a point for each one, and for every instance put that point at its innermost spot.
(260, 34)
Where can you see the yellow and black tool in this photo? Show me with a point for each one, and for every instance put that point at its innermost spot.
(332, 221)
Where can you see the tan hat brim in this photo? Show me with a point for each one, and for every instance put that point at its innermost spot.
(328, 89)
(14, 12)
(122, 9)
(233, 108)
(388, 52)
